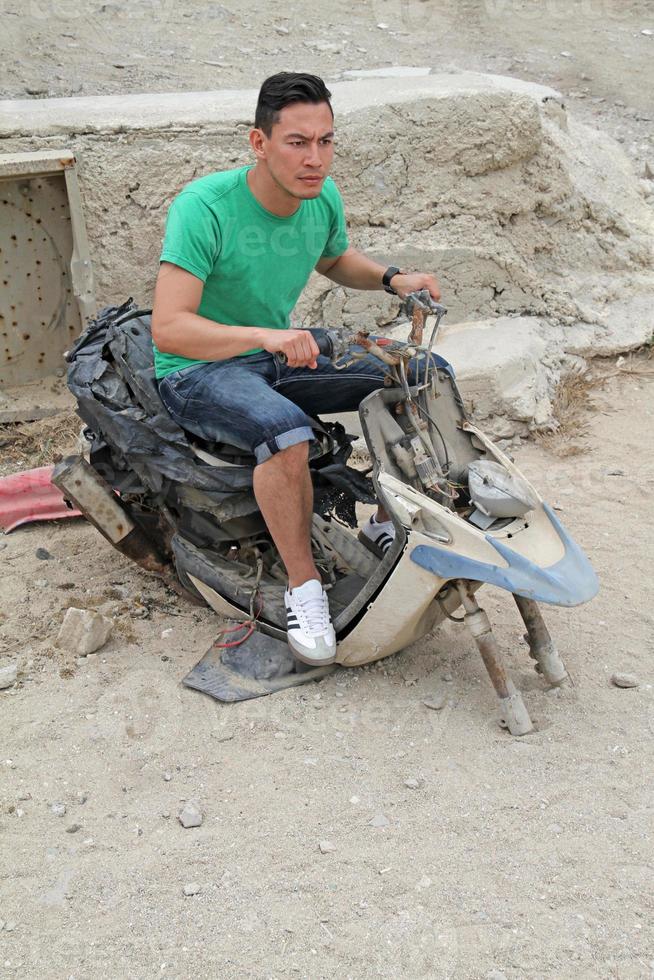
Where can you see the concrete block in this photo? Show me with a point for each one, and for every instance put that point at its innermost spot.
(83, 631)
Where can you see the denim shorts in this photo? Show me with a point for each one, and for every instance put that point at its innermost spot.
(261, 406)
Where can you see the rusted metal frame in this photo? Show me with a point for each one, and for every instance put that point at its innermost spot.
(513, 713)
(93, 496)
(81, 270)
(51, 163)
(541, 646)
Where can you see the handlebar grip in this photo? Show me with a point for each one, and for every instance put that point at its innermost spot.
(324, 340)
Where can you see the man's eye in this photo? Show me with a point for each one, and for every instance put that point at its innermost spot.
(297, 142)
(327, 141)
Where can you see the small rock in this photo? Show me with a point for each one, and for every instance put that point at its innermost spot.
(189, 816)
(165, 633)
(58, 809)
(8, 675)
(282, 30)
(166, 814)
(43, 554)
(326, 847)
(192, 889)
(3, 544)
(624, 680)
(74, 827)
(83, 631)
(647, 32)
(496, 975)
(448, 678)
(379, 821)
(10, 926)
(566, 54)
(649, 170)
(382, 27)
(167, 777)
(436, 702)
(412, 783)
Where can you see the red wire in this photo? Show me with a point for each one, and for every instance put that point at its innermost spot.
(235, 643)
(239, 626)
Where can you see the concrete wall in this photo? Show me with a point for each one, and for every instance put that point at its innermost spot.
(520, 211)
(482, 179)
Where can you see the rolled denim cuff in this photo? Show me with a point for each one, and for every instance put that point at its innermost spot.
(265, 450)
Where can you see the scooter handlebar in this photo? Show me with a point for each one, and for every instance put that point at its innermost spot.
(325, 340)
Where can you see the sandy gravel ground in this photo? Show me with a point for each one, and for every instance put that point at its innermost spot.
(515, 858)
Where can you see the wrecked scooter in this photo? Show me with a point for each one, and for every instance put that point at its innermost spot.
(464, 515)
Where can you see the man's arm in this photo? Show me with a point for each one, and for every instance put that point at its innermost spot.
(178, 329)
(356, 270)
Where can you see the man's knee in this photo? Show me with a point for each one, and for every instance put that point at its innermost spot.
(293, 457)
(293, 441)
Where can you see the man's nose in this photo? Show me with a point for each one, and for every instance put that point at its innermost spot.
(312, 158)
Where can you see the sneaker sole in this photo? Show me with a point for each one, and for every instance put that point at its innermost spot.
(310, 661)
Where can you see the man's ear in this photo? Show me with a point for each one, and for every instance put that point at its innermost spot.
(257, 142)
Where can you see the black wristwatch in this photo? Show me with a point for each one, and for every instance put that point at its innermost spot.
(386, 279)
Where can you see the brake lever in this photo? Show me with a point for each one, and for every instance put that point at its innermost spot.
(421, 299)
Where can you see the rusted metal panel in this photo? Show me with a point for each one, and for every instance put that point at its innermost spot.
(47, 284)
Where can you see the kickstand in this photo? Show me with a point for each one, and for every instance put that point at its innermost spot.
(513, 713)
(541, 644)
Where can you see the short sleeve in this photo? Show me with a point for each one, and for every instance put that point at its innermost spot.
(192, 238)
(337, 242)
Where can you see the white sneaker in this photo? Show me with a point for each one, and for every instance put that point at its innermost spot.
(310, 633)
(377, 536)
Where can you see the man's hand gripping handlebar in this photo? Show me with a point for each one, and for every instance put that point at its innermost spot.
(295, 347)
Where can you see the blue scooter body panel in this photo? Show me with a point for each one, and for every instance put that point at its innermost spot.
(569, 582)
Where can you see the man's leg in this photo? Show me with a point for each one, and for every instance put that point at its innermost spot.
(284, 492)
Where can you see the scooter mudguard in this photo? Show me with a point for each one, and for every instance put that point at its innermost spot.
(31, 496)
(569, 582)
(259, 665)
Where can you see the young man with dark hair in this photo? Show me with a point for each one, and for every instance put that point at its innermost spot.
(239, 248)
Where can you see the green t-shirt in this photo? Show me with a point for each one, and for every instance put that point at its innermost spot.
(253, 264)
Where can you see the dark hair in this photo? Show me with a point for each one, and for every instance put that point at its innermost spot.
(285, 88)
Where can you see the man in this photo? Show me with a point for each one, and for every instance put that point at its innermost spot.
(239, 248)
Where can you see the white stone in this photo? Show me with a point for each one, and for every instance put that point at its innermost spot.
(83, 631)
(380, 820)
(8, 675)
(192, 889)
(624, 680)
(190, 816)
(326, 847)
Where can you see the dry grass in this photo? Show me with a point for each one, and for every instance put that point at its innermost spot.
(26, 445)
(573, 400)
(571, 406)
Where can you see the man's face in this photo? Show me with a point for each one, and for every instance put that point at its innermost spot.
(300, 150)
